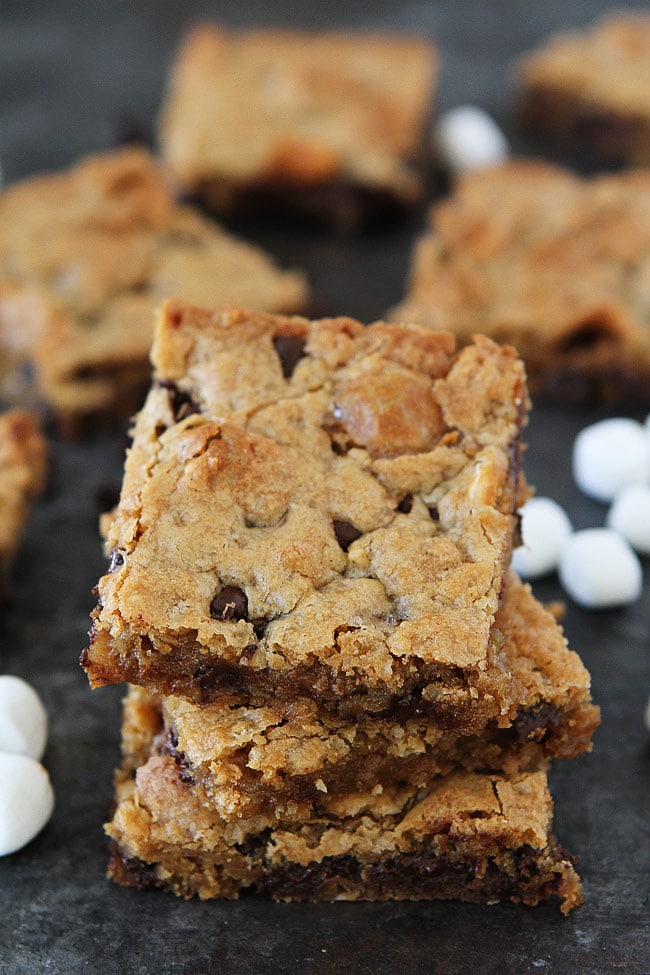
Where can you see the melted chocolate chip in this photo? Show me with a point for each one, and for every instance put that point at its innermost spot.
(405, 504)
(535, 723)
(433, 511)
(117, 561)
(345, 533)
(181, 403)
(229, 604)
(290, 349)
(170, 747)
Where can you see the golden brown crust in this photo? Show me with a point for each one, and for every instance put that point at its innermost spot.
(83, 307)
(593, 87)
(303, 112)
(362, 547)
(23, 461)
(561, 272)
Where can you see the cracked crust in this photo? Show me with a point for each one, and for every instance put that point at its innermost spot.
(474, 836)
(23, 461)
(319, 123)
(562, 273)
(593, 87)
(283, 756)
(314, 508)
(82, 309)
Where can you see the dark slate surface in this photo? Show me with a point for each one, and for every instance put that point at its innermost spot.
(69, 72)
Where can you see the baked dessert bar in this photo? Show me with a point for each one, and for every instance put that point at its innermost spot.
(318, 509)
(329, 125)
(23, 461)
(559, 266)
(592, 87)
(474, 836)
(81, 309)
(280, 758)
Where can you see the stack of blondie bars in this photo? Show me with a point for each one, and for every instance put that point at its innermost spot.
(338, 688)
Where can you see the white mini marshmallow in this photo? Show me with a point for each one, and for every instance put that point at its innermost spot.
(545, 527)
(468, 138)
(599, 570)
(23, 719)
(609, 455)
(26, 801)
(629, 515)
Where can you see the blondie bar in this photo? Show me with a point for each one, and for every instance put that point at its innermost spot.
(23, 461)
(474, 836)
(592, 88)
(319, 509)
(533, 255)
(81, 308)
(329, 125)
(281, 757)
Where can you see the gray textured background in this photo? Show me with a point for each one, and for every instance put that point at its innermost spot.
(68, 71)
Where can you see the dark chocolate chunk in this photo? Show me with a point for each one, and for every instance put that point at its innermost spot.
(290, 349)
(345, 533)
(181, 403)
(405, 504)
(117, 560)
(229, 604)
(259, 626)
(535, 723)
(170, 747)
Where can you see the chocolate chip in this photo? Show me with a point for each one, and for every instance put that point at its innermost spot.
(345, 533)
(405, 504)
(229, 604)
(117, 560)
(290, 349)
(181, 403)
(259, 626)
(433, 511)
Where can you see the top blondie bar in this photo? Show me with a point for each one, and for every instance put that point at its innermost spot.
(314, 508)
(330, 125)
(592, 87)
(81, 309)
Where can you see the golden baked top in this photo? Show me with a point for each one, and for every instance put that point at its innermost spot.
(559, 266)
(82, 307)
(297, 108)
(310, 495)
